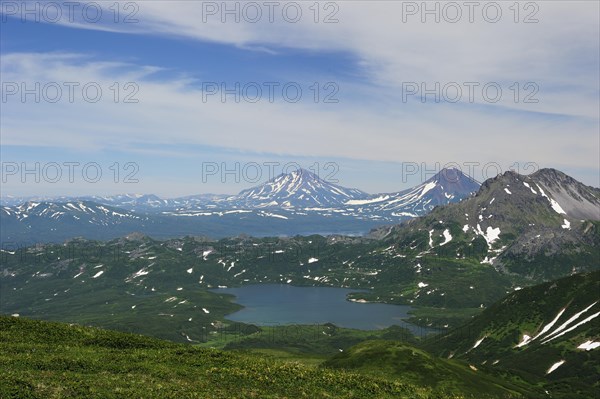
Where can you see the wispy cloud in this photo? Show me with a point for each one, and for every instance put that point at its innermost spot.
(169, 111)
(372, 121)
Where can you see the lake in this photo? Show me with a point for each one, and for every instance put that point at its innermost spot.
(281, 304)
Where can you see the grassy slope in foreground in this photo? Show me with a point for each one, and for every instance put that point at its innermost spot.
(394, 360)
(51, 360)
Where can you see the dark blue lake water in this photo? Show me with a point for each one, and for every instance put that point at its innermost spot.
(281, 304)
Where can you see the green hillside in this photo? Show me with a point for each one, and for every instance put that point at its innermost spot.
(532, 330)
(51, 360)
(396, 360)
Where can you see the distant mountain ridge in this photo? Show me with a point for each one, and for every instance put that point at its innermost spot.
(447, 186)
(298, 189)
(302, 203)
(295, 203)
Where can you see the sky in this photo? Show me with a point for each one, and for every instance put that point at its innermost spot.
(188, 97)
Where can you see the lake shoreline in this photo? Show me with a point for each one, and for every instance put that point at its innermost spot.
(283, 304)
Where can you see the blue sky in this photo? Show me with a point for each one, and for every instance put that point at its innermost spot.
(175, 58)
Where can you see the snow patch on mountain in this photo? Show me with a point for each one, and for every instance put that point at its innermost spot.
(447, 237)
(563, 326)
(491, 234)
(529, 187)
(524, 341)
(477, 343)
(590, 318)
(368, 201)
(555, 366)
(589, 345)
(548, 326)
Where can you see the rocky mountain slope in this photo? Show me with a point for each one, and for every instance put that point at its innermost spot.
(527, 225)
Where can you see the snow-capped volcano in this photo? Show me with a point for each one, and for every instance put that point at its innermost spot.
(447, 186)
(298, 189)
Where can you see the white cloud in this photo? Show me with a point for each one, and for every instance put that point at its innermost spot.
(391, 51)
(559, 53)
(169, 111)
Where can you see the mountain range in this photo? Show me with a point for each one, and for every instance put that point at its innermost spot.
(295, 203)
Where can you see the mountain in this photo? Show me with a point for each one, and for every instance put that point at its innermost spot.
(143, 203)
(295, 203)
(303, 192)
(51, 221)
(577, 200)
(548, 333)
(298, 189)
(132, 201)
(58, 221)
(447, 186)
(527, 225)
(150, 203)
(78, 210)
